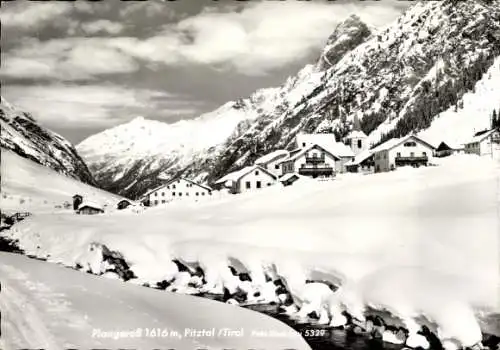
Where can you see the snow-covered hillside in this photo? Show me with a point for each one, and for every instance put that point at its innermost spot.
(31, 187)
(395, 81)
(21, 133)
(433, 231)
(457, 125)
(45, 306)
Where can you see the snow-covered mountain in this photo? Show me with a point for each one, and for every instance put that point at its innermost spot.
(22, 134)
(395, 81)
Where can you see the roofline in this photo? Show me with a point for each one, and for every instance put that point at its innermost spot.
(302, 151)
(89, 206)
(486, 134)
(274, 158)
(253, 167)
(171, 181)
(405, 139)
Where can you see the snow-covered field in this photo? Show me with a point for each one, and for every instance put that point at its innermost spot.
(414, 241)
(46, 306)
(27, 186)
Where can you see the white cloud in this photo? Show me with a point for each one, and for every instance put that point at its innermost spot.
(95, 105)
(261, 37)
(102, 26)
(33, 15)
(66, 59)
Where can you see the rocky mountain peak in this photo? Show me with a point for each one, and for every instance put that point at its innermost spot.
(347, 35)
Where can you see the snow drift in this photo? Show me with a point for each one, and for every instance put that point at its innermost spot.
(414, 241)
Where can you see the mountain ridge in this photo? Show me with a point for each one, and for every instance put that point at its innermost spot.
(22, 134)
(394, 81)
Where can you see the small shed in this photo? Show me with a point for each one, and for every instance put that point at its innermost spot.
(124, 203)
(289, 179)
(88, 208)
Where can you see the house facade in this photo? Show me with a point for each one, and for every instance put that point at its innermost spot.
(177, 189)
(327, 142)
(271, 161)
(357, 141)
(313, 161)
(248, 179)
(444, 150)
(406, 151)
(485, 144)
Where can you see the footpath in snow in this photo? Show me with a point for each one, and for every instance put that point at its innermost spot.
(46, 306)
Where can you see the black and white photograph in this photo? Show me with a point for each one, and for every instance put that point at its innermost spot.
(250, 175)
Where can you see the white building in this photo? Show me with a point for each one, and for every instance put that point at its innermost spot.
(250, 178)
(328, 143)
(357, 141)
(271, 161)
(485, 143)
(177, 189)
(313, 161)
(409, 150)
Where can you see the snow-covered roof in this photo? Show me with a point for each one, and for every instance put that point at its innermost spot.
(288, 176)
(391, 143)
(90, 205)
(272, 156)
(356, 134)
(364, 155)
(481, 137)
(236, 175)
(327, 142)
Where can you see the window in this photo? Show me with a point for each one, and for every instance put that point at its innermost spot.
(256, 172)
(156, 194)
(180, 194)
(412, 154)
(168, 187)
(163, 201)
(269, 184)
(173, 194)
(156, 202)
(424, 154)
(163, 194)
(276, 166)
(187, 193)
(360, 144)
(202, 193)
(410, 144)
(173, 186)
(303, 144)
(259, 185)
(247, 184)
(398, 154)
(210, 192)
(197, 194)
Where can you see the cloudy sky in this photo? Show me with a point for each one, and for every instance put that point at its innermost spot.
(86, 66)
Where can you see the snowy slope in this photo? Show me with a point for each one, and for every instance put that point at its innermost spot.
(435, 227)
(21, 133)
(395, 81)
(50, 307)
(457, 125)
(28, 186)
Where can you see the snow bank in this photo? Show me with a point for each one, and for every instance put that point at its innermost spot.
(439, 223)
(51, 307)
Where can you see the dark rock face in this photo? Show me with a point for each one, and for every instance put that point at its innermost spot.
(344, 38)
(22, 134)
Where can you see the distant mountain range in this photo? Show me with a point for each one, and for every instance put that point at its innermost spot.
(434, 71)
(21, 133)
